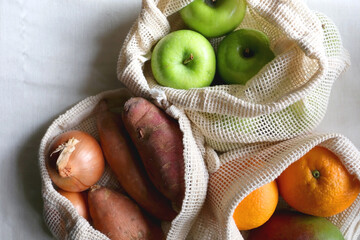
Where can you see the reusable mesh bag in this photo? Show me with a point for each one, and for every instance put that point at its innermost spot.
(252, 166)
(60, 215)
(287, 98)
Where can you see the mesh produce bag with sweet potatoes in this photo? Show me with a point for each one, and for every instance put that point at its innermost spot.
(287, 98)
(62, 218)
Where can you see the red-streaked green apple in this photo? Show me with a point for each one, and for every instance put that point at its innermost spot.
(287, 224)
(183, 59)
(214, 18)
(242, 54)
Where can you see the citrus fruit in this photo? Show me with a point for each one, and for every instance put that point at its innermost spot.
(256, 208)
(318, 184)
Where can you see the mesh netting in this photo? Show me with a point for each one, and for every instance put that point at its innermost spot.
(287, 98)
(249, 167)
(62, 218)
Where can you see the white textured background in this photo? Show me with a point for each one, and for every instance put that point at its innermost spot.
(54, 53)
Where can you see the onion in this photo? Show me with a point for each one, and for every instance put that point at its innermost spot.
(79, 200)
(75, 161)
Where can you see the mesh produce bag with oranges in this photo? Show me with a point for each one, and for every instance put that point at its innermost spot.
(247, 149)
(317, 174)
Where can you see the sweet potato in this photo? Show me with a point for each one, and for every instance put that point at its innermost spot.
(123, 159)
(158, 139)
(119, 217)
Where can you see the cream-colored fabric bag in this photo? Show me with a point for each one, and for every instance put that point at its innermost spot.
(287, 98)
(252, 166)
(62, 218)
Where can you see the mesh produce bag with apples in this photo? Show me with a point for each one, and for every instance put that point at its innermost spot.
(252, 166)
(287, 98)
(61, 216)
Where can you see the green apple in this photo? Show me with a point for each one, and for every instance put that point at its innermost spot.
(242, 54)
(214, 18)
(183, 59)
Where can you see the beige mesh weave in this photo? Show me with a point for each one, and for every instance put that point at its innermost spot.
(61, 216)
(287, 98)
(249, 167)
(225, 126)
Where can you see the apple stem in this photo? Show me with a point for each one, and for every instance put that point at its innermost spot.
(210, 3)
(247, 53)
(189, 59)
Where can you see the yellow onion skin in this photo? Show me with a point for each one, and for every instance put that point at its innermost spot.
(79, 201)
(84, 167)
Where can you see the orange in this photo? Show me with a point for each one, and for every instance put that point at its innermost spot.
(318, 184)
(257, 207)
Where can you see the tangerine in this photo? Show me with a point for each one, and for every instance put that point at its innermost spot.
(318, 184)
(257, 207)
